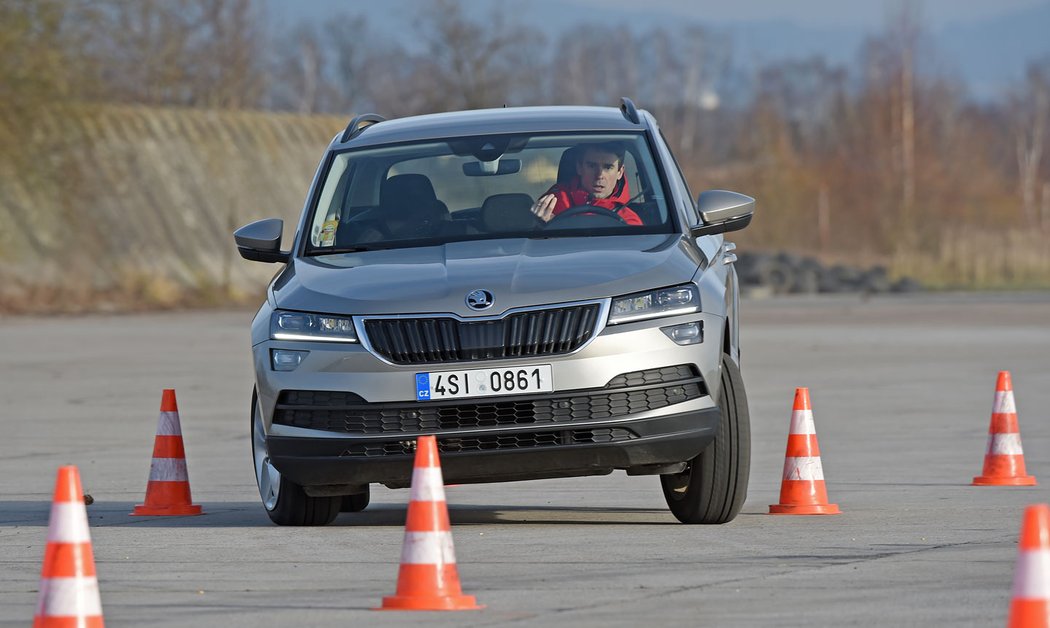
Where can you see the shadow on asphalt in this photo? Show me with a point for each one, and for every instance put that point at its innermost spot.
(251, 515)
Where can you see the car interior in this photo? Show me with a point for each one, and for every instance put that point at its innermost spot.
(407, 206)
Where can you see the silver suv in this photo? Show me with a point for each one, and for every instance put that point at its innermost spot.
(426, 292)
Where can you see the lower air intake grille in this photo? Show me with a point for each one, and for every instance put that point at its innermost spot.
(494, 442)
(629, 393)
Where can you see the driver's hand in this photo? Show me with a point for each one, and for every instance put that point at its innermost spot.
(544, 207)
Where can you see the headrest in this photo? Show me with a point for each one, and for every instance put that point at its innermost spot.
(410, 196)
(508, 212)
(402, 188)
(567, 164)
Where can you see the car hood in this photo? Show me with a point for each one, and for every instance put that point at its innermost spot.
(518, 272)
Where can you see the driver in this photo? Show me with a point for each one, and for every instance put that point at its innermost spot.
(599, 181)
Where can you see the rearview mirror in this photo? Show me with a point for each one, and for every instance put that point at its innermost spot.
(260, 241)
(723, 211)
(491, 168)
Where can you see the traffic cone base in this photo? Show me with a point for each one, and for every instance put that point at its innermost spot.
(1027, 480)
(804, 509)
(177, 509)
(168, 488)
(427, 579)
(429, 603)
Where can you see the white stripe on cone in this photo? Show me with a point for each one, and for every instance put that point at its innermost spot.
(168, 424)
(68, 523)
(1004, 402)
(802, 422)
(803, 468)
(427, 485)
(1032, 575)
(168, 470)
(427, 548)
(69, 597)
(1005, 444)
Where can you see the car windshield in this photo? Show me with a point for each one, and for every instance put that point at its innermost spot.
(484, 187)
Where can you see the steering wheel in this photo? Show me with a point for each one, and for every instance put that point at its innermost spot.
(601, 213)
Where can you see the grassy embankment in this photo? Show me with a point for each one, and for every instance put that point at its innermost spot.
(113, 208)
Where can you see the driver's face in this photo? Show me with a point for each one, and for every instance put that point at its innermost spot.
(599, 171)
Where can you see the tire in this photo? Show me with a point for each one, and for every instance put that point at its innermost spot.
(712, 488)
(355, 503)
(285, 502)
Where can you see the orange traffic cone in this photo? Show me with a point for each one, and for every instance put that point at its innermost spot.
(428, 579)
(802, 491)
(68, 584)
(1004, 460)
(168, 489)
(1030, 606)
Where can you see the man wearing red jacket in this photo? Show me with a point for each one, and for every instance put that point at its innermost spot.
(599, 181)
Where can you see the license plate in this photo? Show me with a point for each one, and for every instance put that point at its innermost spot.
(515, 380)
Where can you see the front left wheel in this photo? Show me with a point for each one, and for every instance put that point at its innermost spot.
(285, 501)
(713, 486)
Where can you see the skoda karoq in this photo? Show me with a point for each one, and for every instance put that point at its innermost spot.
(536, 287)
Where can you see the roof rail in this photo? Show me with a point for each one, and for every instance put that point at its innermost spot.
(628, 110)
(360, 123)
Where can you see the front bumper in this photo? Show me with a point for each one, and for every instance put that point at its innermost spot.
(352, 421)
(480, 456)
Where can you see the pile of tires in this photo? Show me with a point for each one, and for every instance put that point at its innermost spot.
(788, 273)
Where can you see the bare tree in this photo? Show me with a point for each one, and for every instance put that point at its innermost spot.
(891, 66)
(1030, 110)
(188, 52)
(332, 68)
(468, 64)
(42, 46)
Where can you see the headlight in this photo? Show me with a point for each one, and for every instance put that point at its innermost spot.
(682, 299)
(303, 326)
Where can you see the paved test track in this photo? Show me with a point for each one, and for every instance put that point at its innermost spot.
(902, 390)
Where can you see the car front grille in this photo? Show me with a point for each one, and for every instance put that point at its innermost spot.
(429, 340)
(626, 394)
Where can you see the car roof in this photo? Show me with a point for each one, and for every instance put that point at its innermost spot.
(491, 122)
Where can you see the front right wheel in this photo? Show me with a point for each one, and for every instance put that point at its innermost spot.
(714, 484)
(285, 501)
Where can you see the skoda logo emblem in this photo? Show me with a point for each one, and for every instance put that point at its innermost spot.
(479, 299)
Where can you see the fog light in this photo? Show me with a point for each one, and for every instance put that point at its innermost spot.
(286, 359)
(685, 334)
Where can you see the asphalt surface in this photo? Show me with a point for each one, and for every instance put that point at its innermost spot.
(902, 390)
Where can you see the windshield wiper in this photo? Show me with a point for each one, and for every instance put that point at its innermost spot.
(336, 250)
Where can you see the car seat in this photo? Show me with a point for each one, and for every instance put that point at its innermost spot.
(567, 164)
(409, 208)
(508, 212)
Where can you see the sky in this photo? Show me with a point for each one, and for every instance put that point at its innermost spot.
(987, 43)
(828, 13)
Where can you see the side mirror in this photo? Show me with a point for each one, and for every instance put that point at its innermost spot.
(723, 211)
(260, 241)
